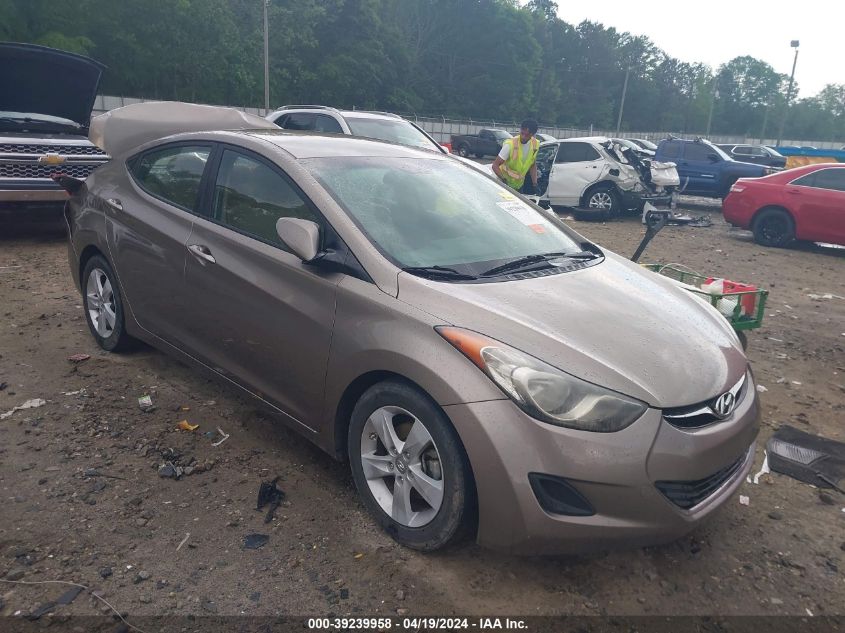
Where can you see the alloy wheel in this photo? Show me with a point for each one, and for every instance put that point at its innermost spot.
(402, 466)
(600, 200)
(101, 303)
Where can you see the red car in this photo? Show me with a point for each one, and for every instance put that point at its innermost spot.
(805, 203)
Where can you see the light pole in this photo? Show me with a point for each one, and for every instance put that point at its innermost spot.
(710, 114)
(622, 104)
(794, 44)
(266, 3)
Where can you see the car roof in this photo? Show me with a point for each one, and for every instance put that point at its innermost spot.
(361, 114)
(587, 139)
(324, 145)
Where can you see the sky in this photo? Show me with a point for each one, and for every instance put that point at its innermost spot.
(716, 31)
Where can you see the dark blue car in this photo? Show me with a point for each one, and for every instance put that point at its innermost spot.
(704, 169)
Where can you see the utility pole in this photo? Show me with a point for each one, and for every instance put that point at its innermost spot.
(794, 44)
(266, 59)
(710, 115)
(765, 121)
(622, 104)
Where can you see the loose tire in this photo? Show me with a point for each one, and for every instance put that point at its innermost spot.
(410, 467)
(103, 306)
(773, 227)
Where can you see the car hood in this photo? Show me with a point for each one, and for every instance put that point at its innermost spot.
(613, 324)
(44, 80)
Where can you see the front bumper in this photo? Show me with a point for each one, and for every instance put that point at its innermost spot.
(616, 472)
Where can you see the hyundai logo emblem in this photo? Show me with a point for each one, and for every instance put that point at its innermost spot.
(724, 404)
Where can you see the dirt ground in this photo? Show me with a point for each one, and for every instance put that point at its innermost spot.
(82, 499)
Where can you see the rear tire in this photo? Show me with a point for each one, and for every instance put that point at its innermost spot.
(463, 151)
(600, 203)
(410, 467)
(773, 227)
(103, 306)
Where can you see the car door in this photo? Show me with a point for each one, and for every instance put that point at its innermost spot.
(818, 204)
(577, 165)
(148, 223)
(258, 314)
(702, 170)
(545, 163)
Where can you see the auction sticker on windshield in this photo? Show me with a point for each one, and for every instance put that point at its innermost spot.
(524, 214)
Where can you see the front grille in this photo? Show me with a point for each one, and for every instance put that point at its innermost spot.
(34, 171)
(687, 494)
(702, 414)
(67, 150)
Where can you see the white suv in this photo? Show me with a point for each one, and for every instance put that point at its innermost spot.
(378, 125)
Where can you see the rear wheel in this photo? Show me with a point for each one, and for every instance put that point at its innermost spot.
(463, 151)
(410, 467)
(103, 306)
(773, 227)
(600, 203)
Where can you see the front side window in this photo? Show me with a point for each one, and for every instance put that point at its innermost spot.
(701, 152)
(390, 130)
(250, 196)
(172, 173)
(428, 212)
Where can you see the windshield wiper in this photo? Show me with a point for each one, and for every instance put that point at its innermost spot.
(443, 272)
(28, 121)
(531, 260)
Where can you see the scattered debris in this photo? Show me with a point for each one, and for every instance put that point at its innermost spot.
(744, 500)
(255, 541)
(795, 382)
(809, 458)
(358, 556)
(146, 403)
(764, 470)
(225, 437)
(184, 540)
(825, 498)
(79, 358)
(775, 515)
(184, 425)
(3, 385)
(761, 389)
(810, 613)
(73, 393)
(827, 295)
(29, 404)
(141, 577)
(169, 471)
(270, 494)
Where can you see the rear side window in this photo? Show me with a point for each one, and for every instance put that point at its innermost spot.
(698, 152)
(299, 121)
(249, 196)
(671, 150)
(830, 179)
(576, 153)
(172, 174)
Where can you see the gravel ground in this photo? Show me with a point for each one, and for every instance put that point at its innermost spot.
(82, 500)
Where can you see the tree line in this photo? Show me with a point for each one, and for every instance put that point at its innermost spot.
(458, 58)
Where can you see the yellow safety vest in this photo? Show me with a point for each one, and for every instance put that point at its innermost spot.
(516, 166)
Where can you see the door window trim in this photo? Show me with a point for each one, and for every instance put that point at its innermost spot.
(813, 175)
(209, 163)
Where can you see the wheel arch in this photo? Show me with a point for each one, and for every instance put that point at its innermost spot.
(775, 207)
(85, 256)
(601, 184)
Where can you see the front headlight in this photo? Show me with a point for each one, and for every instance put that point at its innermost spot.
(545, 392)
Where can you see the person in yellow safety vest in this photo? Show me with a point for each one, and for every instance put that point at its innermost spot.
(517, 158)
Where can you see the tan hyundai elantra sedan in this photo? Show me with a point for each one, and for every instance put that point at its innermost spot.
(483, 367)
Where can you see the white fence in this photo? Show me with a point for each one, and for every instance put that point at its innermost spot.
(442, 128)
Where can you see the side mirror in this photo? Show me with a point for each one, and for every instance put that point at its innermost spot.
(713, 158)
(302, 236)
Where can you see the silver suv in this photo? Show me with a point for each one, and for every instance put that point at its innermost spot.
(383, 126)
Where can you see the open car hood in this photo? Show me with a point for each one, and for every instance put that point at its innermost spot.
(44, 80)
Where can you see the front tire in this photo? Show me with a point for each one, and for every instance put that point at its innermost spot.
(409, 466)
(773, 227)
(103, 305)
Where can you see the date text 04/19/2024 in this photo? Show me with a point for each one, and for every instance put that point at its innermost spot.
(416, 624)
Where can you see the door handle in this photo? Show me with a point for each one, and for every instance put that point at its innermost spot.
(794, 192)
(115, 204)
(202, 252)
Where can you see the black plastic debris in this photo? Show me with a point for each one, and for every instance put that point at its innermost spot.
(255, 541)
(66, 598)
(809, 458)
(270, 494)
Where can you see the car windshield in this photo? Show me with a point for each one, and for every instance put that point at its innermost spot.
(22, 118)
(391, 130)
(772, 152)
(428, 212)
